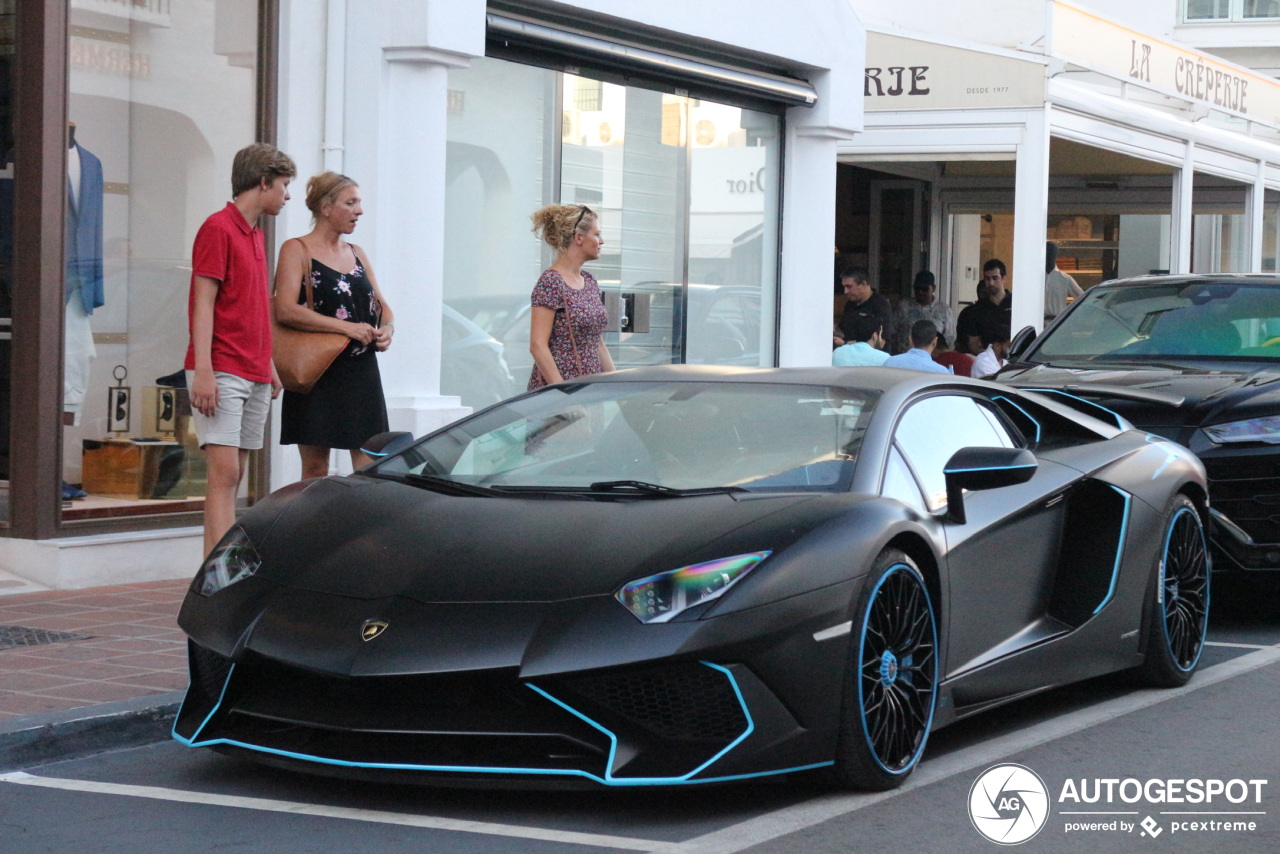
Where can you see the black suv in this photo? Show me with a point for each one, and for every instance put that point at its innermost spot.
(1194, 359)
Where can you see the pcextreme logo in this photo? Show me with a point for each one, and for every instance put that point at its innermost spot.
(1008, 804)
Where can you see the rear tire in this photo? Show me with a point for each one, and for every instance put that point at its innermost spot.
(1178, 619)
(891, 679)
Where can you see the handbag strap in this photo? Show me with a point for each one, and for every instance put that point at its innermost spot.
(568, 322)
(306, 277)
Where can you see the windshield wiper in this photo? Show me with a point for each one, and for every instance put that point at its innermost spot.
(439, 484)
(659, 491)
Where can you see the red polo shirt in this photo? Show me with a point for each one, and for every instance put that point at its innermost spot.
(231, 251)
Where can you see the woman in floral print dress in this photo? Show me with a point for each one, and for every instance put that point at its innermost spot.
(346, 406)
(568, 316)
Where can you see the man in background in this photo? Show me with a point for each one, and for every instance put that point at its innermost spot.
(1058, 286)
(923, 305)
(993, 358)
(994, 304)
(862, 299)
(866, 348)
(924, 336)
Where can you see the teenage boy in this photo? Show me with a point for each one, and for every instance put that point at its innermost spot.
(228, 364)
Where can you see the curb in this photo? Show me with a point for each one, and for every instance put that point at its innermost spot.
(75, 733)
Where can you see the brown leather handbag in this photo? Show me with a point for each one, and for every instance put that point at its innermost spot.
(302, 357)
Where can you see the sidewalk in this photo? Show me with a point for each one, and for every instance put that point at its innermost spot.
(68, 649)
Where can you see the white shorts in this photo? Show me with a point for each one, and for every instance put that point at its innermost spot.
(241, 417)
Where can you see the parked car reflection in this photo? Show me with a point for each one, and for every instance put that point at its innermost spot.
(472, 362)
(723, 328)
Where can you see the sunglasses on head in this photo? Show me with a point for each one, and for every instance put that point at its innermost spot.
(585, 210)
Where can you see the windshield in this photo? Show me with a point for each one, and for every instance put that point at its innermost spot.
(1156, 322)
(686, 435)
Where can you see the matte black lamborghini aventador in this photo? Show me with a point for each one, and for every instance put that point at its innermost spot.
(688, 575)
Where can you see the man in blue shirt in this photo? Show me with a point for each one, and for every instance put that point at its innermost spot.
(924, 336)
(867, 347)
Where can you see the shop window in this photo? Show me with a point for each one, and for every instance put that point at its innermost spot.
(1270, 230)
(1208, 10)
(1219, 226)
(686, 192)
(1088, 246)
(1201, 11)
(161, 96)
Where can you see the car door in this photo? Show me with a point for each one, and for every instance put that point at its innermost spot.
(1001, 559)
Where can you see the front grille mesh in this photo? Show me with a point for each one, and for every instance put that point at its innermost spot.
(685, 702)
(208, 671)
(1248, 492)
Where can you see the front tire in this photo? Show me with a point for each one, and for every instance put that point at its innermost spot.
(1178, 619)
(891, 680)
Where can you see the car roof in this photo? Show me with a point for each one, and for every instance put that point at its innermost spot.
(1192, 279)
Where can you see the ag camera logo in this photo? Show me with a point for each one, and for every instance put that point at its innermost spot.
(1008, 804)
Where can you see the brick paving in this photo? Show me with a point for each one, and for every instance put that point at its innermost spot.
(134, 647)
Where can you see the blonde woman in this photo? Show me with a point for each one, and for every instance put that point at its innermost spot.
(346, 406)
(568, 317)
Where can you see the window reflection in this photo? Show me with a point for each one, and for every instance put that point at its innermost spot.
(686, 191)
(928, 448)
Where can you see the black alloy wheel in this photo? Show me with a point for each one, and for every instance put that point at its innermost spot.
(1179, 617)
(892, 682)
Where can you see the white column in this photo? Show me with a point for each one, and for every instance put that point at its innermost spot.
(1183, 190)
(808, 248)
(410, 261)
(1255, 212)
(1030, 205)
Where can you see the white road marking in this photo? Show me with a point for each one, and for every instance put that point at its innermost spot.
(770, 826)
(1239, 645)
(740, 836)
(381, 817)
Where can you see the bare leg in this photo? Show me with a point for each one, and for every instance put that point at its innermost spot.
(226, 467)
(315, 461)
(359, 458)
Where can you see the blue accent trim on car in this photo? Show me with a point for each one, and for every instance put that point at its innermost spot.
(1116, 420)
(375, 453)
(217, 705)
(1115, 570)
(990, 468)
(862, 636)
(608, 779)
(1030, 417)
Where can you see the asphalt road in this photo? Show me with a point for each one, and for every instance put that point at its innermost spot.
(1195, 769)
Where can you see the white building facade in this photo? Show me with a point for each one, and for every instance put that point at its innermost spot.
(726, 152)
(1099, 127)
(705, 139)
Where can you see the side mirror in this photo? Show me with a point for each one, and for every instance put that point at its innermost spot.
(984, 468)
(385, 444)
(1021, 343)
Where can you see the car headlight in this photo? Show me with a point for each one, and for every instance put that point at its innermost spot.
(1249, 430)
(659, 598)
(234, 559)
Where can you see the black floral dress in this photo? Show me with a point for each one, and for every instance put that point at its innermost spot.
(346, 406)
